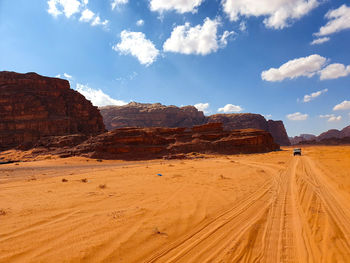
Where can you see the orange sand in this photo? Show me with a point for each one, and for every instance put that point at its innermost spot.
(246, 208)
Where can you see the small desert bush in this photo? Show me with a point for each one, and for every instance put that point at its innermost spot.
(102, 186)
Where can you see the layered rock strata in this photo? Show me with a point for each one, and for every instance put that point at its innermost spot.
(158, 115)
(33, 107)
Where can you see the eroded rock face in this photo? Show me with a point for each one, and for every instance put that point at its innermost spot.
(33, 107)
(150, 115)
(150, 143)
(157, 115)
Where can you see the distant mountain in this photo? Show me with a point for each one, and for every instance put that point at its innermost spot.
(330, 137)
(302, 137)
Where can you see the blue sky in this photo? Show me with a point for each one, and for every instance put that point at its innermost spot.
(222, 56)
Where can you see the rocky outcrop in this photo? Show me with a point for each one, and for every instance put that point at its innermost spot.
(330, 137)
(150, 115)
(157, 115)
(302, 137)
(150, 143)
(33, 107)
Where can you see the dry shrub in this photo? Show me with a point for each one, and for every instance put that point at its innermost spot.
(84, 180)
(102, 186)
(64, 180)
(2, 212)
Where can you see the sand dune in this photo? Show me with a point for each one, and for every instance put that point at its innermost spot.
(246, 208)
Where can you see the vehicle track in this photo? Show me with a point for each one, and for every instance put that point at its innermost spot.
(295, 217)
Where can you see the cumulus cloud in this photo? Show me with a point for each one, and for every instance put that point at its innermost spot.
(319, 41)
(182, 6)
(304, 66)
(314, 95)
(279, 13)
(334, 71)
(66, 7)
(345, 105)
(97, 96)
(230, 108)
(339, 19)
(64, 76)
(199, 40)
(331, 117)
(70, 7)
(136, 44)
(116, 3)
(140, 22)
(297, 116)
(202, 107)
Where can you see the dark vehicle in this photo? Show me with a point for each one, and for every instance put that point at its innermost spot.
(297, 151)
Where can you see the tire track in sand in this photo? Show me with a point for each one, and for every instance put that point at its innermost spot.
(295, 217)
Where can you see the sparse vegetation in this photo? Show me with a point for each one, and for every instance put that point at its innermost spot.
(64, 180)
(102, 186)
(84, 180)
(2, 212)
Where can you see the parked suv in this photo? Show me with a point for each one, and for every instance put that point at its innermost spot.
(297, 151)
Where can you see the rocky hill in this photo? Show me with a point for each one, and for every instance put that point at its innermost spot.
(302, 137)
(158, 115)
(33, 107)
(330, 137)
(152, 143)
(150, 115)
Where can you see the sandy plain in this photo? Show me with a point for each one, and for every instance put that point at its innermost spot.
(242, 208)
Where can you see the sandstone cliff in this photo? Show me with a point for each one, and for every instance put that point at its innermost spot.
(150, 143)
(33, 107)
(150, 115)
(157, 115)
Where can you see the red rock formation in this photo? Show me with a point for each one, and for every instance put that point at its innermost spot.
(330, 137)
(253, 121)
(150, 115)
(33, 107)
(278, 132)
(157, 115)
(150, 143)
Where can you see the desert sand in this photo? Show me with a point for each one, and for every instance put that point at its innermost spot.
(269, 207)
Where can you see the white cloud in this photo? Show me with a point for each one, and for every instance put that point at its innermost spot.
(180, 6)
(297, 116)
(136, 44)
(98, 22)
(319, 41)
(345, 105)
(334, 71)
(314, 95)
(90, 17)
(199, 40)
(66, 7)
(331, 117)
(305, 66)
(70, 7)
(229, 108)
(87, 15)
(278, 13)
(339, 19)
(116, 3)
(242, 26)
(140, 22)
(67, 76)
(267, 116)
(64, 76)
(97, 97)
(202, 107)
